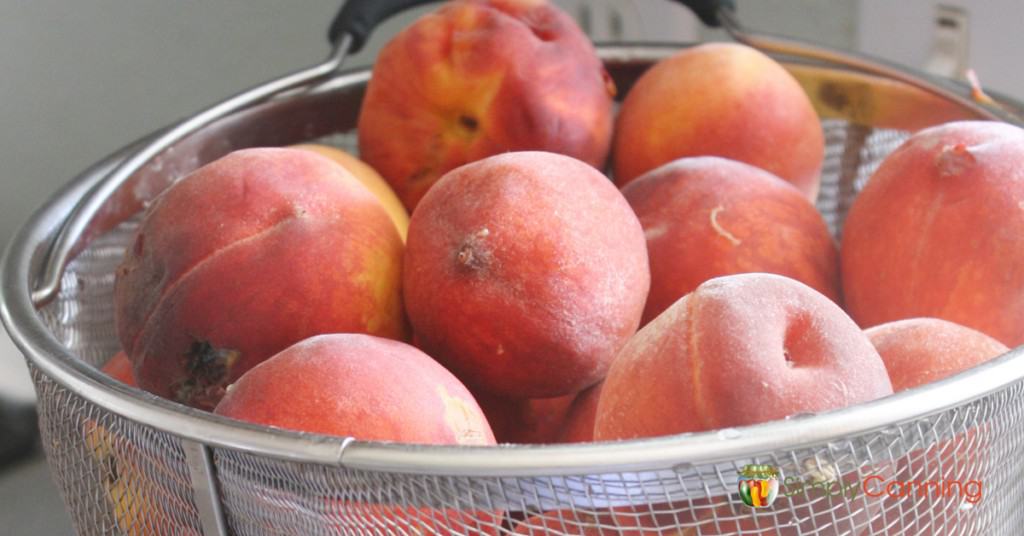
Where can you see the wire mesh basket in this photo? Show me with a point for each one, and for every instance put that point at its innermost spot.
(130, 463)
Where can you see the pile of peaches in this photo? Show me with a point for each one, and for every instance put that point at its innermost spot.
(568, 273)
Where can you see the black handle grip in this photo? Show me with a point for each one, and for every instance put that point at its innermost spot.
(358, 18)
(707, 10)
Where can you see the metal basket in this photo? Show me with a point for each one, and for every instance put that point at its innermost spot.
(130, 463)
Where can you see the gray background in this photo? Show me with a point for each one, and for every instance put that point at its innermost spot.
(79, 79)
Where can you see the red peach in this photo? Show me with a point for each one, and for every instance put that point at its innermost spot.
(938, 231)
(369, 178)
(707, 216)
(479, 78)
(366, 387)
(246, 256)
(720, 99)
(738, 350)
(579, 421)
(372, 389)
(917, 351)
(525, 421)
(119, 367)
(525, 273)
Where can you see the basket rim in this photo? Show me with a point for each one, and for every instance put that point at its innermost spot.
(19, 269)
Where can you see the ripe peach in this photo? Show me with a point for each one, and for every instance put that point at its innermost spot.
(917, 351)
(578, 426)
(133, 483)
(119, 367)
(525, 421)
(525, 273)
(720, 99)
(738, 350)
(371, 180)
(938, 231)
(246, 256)
(479, 78)
(372, 389)
(707, 216)
(366, 387)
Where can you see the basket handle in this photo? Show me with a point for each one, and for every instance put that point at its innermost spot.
(707, 10)
(358, 18)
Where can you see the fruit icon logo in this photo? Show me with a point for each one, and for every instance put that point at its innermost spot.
(759, 485)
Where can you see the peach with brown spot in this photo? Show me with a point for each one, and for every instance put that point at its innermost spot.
(474, 79)
(524, 274)
(246, 256)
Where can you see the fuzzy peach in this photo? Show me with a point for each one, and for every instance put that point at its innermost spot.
(478, 78)
(119, 367)
(369, 178)
(525, 421)
(917, 351)
(525, 273)
(938, 231)
(366, 387)
(245, 257)
(708, 216)
(738, 350)
(578, 426)
(720, 99)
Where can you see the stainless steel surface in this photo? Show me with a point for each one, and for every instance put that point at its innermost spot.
(121, 456)
(204, 484)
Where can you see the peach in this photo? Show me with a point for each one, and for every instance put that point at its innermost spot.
(371, 389)
(525, 273)
(938, 231)
(371, 180)
(708, 216)
(366, 387)
(479, 78)
(246, 256)
(917, 351)
(738, 350)
(133, 482)
(578, 426)
(119, 368)
(720, 99)
(525, 421)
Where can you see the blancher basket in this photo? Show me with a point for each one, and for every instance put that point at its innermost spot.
(130, 463)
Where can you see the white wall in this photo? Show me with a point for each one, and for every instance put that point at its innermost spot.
(902, 31)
